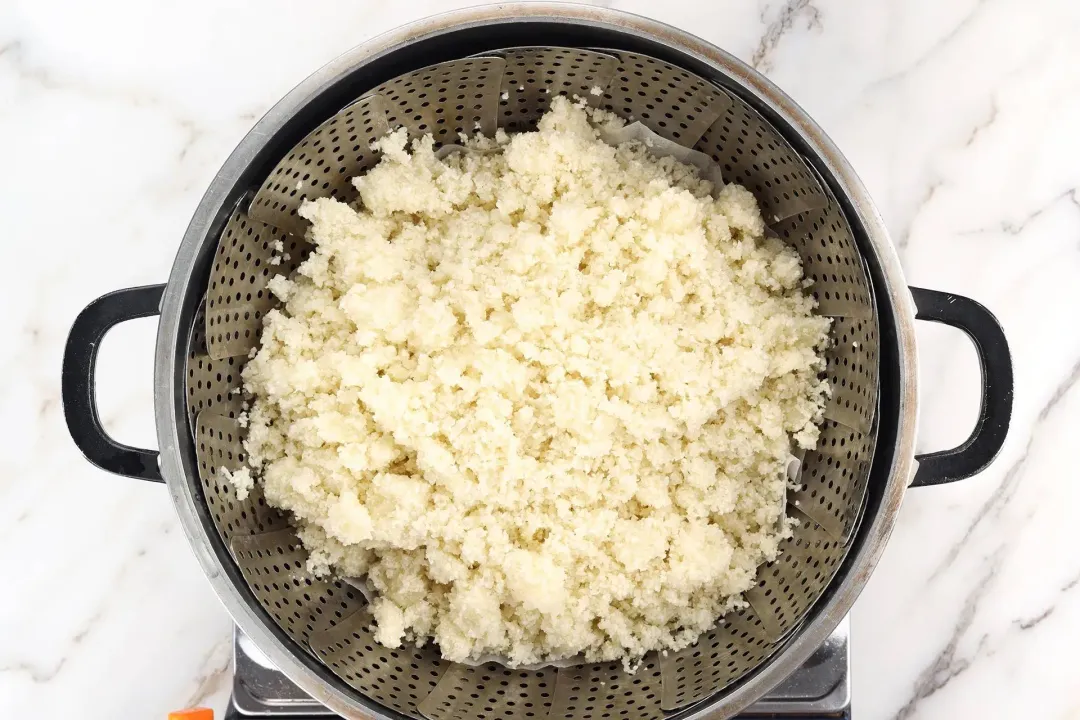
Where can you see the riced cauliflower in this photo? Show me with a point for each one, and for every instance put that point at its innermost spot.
(541, 392)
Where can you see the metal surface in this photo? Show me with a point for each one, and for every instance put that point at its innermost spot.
(399, 678)
(532, 76)
(820, 688)
(491, 690)
(717, 658)
(217, 446)
(788, 586)
(249, 254)
(460, 96)
(676, 104)
(483, 31)
(820, 497)
(321, 165)
(752, 153)
(261, 690)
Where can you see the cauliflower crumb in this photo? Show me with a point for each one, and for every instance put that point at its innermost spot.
(596, 90)
(241, 480)
(280, 286)
(541, 394)
(505, 95)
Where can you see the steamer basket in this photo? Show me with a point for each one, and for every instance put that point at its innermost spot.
(463, 96)
(320, 626)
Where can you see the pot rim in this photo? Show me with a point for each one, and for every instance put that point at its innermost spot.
(171, 339)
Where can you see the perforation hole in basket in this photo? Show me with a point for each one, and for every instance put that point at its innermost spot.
(670, 101)
(322, 165)
(461, 96)
(533, 76)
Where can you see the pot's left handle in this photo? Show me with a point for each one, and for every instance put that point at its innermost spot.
(78, 382)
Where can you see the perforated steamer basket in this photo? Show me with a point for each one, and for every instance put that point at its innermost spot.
(483, 69)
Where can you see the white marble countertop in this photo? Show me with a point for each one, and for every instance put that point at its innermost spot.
(961, 117)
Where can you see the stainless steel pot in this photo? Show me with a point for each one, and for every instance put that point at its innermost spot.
(243, 185)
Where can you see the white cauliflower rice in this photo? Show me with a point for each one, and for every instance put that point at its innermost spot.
(542, 393)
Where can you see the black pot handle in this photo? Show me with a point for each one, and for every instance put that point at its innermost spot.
(78, 386)
(980, 449)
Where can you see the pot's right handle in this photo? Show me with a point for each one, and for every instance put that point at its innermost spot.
(78, 386)
(995, 410)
